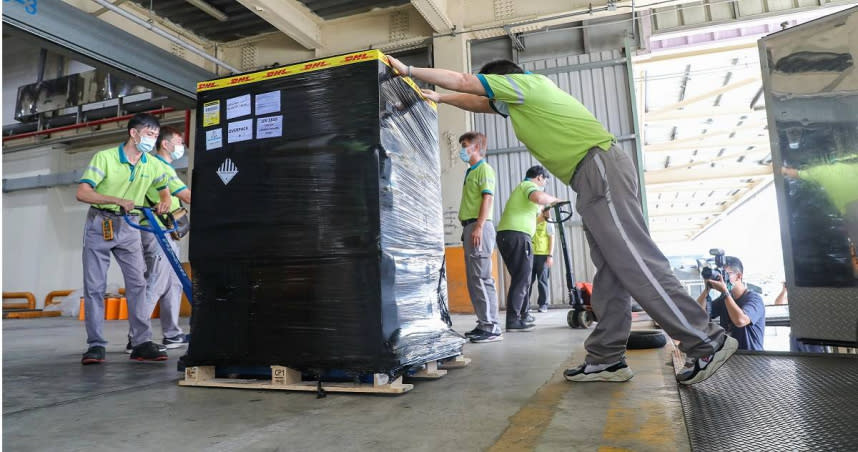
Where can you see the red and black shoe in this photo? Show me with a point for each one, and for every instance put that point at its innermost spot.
(148, 351)
(93, 355)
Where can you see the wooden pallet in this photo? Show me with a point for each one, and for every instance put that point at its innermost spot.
(456, 362)
(433, 370)
(287, 379)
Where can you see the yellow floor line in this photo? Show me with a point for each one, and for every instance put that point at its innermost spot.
(527, 425)
(631, 423)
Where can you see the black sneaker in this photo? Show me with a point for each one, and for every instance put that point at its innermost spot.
(178, 341)
(148, 351)
(518, 326)
(129, 348)
(182, 363)
(474, 332)
(543, 308)
(93, 355)
(703, 368)
(617, 373)
(486, 336)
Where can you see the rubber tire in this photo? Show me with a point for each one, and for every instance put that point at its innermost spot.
(643, 339)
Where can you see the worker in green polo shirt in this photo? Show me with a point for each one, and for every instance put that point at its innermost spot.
(118, 178)
(516, 227)
(543, 247)
(162, 283)
(571, 143)
(478, 237)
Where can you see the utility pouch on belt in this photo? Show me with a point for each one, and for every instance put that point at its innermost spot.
(107, 229)
(180, 220)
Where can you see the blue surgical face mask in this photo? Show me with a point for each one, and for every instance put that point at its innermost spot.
(463, 154)
(146, 144)
(178, 151)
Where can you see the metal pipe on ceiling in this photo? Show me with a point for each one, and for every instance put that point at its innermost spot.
(209, 9)
(81, 125)
(163, 33)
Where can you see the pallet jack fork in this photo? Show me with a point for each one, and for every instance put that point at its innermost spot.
(581, 315)
(161, 236)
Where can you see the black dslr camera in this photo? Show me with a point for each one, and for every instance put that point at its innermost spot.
(714, 272)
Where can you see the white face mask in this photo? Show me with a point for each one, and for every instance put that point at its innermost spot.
(146, 144)
(178, 151)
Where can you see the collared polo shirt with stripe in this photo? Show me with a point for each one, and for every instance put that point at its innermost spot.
(519, 213)
(479, 180)
(111, 174)
(556, 128)
(174, 184)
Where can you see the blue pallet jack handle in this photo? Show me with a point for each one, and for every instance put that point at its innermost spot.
(161, 236)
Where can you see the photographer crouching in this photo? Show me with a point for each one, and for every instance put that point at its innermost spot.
(741, 311)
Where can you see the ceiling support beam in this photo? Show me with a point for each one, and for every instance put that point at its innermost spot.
(290, 17)
(709, 112)
(709, 94)
(685, 175)
(678, 145)
(435, 13)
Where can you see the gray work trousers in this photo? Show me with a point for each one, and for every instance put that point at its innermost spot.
(127, 250)
(162, 283)
(481, 284)
(628, 263)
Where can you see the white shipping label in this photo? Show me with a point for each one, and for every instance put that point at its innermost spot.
(238, 106)
(239, 131)
(214, 139)
(269, 127)
(267, 103)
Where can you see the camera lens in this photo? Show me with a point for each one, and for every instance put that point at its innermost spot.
(708, 273)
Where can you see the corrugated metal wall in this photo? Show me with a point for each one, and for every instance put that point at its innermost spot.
(600, 81)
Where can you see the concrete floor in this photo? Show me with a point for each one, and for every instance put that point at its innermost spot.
(511, 397)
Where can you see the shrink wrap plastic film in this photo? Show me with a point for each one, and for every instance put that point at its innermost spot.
(319, 245)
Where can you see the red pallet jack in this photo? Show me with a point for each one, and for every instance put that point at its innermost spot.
(581, 315)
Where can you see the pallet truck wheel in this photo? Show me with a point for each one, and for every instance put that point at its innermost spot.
(585, 319)
(572, 319)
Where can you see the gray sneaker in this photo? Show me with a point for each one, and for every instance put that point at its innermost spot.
(543, 308)
(617, 373)
(704, 367)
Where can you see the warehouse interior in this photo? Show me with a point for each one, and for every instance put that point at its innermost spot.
(713, 101)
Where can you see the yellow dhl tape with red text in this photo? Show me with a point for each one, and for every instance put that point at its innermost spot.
(303, 68)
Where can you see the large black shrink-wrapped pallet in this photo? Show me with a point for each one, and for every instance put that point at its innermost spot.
(317, 235)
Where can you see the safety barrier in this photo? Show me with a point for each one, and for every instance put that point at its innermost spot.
(30, 304)
(49, 298)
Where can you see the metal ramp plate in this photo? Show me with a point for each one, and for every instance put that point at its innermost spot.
(775, 401)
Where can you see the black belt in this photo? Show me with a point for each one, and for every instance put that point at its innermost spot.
(467, 222)
(112, 212)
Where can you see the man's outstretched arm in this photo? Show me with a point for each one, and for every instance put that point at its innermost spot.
(452, 80)
(469, 102)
